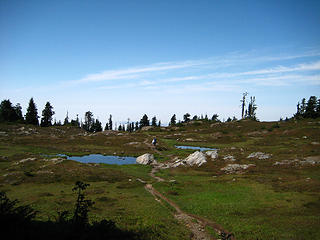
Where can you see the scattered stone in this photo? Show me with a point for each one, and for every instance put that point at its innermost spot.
(26, 160)
(191, 140)
(132, 143)
(3, 134)
(54, 160)
(232, 168)
(229, 158)
(259, 155)
(213, 154)
(306, 161)
(146, 159)
(304, 137)
(315, 143)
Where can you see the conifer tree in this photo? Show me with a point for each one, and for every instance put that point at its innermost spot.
(243, 104)
(47, 114)
(173, 120)
(215, 117)
(136, 127)
(110, 122)
(66, 120)
(311, 107)
(144, 121)
(18, 112)
(154, 121)
(106, 127)
(159, 123)
(32, 113)
(88, 124)
(8, 113)
(97, 126)
(186, 117)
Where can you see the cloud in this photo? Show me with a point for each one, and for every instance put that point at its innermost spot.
(135, 72)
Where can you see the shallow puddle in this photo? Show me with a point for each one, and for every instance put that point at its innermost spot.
(195, 148)
(98, 158)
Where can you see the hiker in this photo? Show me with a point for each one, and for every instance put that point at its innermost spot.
(154, 142)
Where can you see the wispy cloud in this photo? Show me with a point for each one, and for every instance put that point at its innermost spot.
(213, 74)
(135, 72)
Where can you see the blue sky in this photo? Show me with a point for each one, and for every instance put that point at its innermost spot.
(127, 58)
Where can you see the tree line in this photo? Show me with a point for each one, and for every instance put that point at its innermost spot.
(308, 109)
(13, 113)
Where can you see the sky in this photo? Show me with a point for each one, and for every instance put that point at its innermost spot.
(129, 58)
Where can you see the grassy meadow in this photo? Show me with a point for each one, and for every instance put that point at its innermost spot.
(267, 201)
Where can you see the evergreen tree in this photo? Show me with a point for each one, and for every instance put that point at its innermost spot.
(47, 114)
(136, 127)
(144, 121)
(318, 108)
(206, 117)
(311, 107)
(88, 122)
(66, 120)
(251, 113)
(186, 117)
(18, 112)
(97, 126)
(303, 106)
(173, 120)
(32, 113)
(75, 122)
(120, 128)
(215, 118)
(195, 118)
(159, 123)
(106, 127)
(132, 126)
(110, 122)
(243, 104)
(154, 121)
(8, 113)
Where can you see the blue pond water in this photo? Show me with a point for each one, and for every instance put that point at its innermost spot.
(98, 158)
(195, 148)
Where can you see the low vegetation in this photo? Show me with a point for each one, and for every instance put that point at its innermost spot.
(277, 197)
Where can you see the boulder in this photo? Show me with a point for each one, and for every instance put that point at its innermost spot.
(197, 158)
(146, 159)
(213, 154)
(229, 158)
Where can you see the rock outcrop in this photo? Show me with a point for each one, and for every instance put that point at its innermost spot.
(146, 159)
(197, 158)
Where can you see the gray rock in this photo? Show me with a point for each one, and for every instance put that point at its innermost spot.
(146, 159)
(229, 158)
(231, 168)
(259, 155)
(213, 154)
(197, 158)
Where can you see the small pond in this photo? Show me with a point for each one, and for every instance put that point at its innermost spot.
(195, 148)
(98, 158)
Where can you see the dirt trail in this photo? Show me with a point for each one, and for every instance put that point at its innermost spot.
(195, 223)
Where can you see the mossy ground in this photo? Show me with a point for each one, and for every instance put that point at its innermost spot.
(264, 202)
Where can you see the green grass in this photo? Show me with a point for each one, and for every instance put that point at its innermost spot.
(265, 202)
(249, 209)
